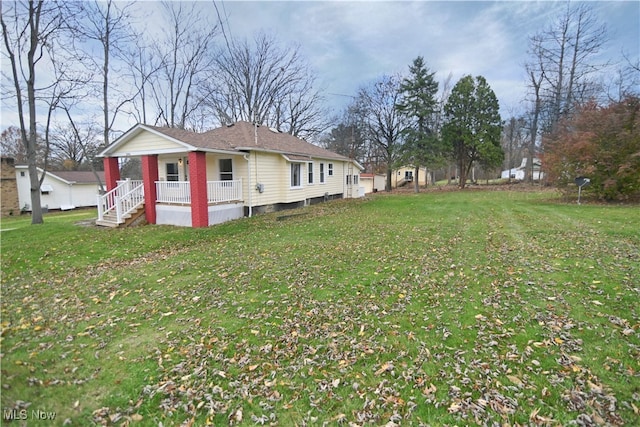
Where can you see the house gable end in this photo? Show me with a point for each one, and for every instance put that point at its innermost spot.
(143, 140)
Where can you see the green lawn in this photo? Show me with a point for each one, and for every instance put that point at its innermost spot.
(442, 308)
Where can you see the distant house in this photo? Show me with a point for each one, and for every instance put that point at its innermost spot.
(62, 190)
(405, 175)
(198, 179)
(519, 172)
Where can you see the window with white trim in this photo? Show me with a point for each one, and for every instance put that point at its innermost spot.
(321, 173)
(356, 178)
(310, 172)
(330, 169)
(348, 179)
(296, 171)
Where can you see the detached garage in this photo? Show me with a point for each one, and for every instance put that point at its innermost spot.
(62, 190)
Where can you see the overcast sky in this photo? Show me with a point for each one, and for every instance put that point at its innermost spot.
(351, 43)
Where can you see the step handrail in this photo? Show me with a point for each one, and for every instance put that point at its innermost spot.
(122, 200)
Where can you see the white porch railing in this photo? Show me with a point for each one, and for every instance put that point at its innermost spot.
(179, 192)
(224, 191)
(173, 192)
(122, 200)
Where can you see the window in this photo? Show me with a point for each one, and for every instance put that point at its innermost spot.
(321, 173)
(310, 172)
(348, 179)
(295, 174)
(172, 172)
(21, 173)
(226, 169)
(355, 179)
(330, 169)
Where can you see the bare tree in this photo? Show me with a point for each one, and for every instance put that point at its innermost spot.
(268, 84)
(514, 141)
(186, 55)
(383, 122)
(11, 144)
(559, 71)
(71, 145)
(30, 33)
(624, 80)
(108, 24)
(143, 65)
(535, 75)
(565, 54)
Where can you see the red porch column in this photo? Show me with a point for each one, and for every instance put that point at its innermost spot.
(149, 177)
(111, 172)
(198, 179)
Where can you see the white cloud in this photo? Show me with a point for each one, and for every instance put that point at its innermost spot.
(351, 43)
(348, 44)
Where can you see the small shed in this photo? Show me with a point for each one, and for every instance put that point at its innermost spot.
(63, 190)
(373, 182)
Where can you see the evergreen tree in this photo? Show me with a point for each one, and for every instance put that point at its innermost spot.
(419, 105)
(473, 126)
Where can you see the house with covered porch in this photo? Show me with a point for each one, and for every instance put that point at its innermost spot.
(200, 179)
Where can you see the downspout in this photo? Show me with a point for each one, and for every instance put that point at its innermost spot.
(247, 157)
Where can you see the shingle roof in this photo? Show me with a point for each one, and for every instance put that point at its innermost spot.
(241, 136)
(79, 177)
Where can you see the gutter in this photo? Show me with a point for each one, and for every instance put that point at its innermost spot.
(247, 157)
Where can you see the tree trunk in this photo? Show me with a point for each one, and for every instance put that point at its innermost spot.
(416, 180)
(462, 173)
(36, 206)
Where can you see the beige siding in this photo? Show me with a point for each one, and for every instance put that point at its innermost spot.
(238, 165)
(146, 142)
(183, 169)
(397, 176)
(272, 171)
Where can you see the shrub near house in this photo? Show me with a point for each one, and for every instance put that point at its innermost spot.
(601, 143)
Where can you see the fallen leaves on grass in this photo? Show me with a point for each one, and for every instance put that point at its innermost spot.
(319, 327)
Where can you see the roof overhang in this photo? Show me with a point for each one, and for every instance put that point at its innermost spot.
(296, 158)
(47, 173)
(358, 165)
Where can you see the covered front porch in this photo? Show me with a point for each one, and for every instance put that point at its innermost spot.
(173, 203)
(176, 189)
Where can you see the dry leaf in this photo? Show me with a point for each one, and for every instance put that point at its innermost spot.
(517, 381)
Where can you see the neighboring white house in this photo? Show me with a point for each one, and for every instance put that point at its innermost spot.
(62, 190)
(519, 172)
(198, 179)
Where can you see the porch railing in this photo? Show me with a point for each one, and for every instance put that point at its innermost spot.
(173, 192)
(179, 192)
(122, 200)
(224, 191)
